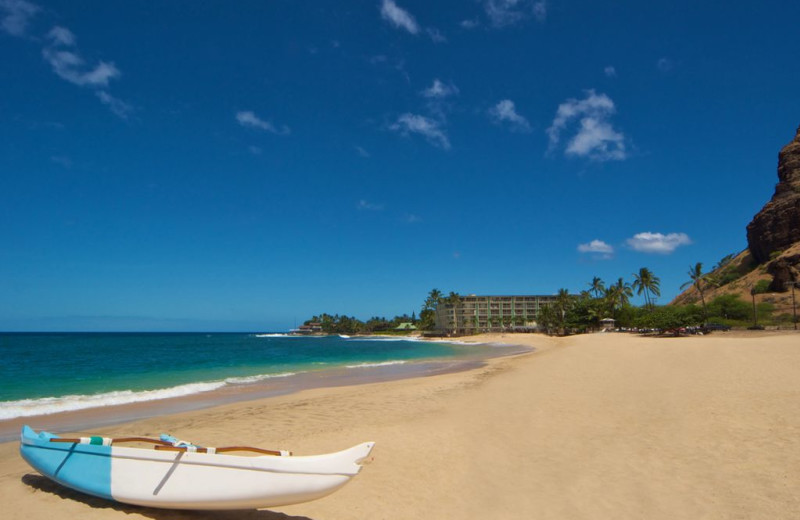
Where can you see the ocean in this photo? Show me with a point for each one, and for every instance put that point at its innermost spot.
(49, 373)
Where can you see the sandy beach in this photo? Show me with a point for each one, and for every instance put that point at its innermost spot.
(589, 427)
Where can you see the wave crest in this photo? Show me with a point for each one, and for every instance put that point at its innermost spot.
(71, 403)
(372, 365)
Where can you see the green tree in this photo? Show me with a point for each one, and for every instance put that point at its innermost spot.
(597, 287)
(618, 296)
(454, 300)
(698, 280)
(433, 300)
(724, 261)
(729, 307)
(585, 312)
(671, 318)
(563, 305)
(646, 282)
(494, 321)
(545, 319)
(427, 316)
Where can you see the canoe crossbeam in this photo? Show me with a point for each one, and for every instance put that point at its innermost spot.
(168, 446)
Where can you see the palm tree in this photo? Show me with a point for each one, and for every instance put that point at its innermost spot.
(624, 292)
(563, 304)
(545, 317)
(645, 281)
(427, 315)
(454, 299)
(433, 300)
(697, 279)
(610, 297)
(618, 295)
(723, 262)
(597, 287)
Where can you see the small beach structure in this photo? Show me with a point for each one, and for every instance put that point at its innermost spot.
(607, 324)
(406, 326)
(309, 328)
(179, 475)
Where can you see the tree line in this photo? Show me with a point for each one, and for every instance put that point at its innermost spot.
(336, 324)
(583, 312)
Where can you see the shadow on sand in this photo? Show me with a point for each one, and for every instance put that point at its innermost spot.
(46, 485)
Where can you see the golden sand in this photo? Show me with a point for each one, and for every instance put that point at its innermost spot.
(602, 426)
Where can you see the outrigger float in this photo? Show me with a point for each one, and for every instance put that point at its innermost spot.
(179, 475)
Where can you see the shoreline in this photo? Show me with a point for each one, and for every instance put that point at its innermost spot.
(593, 427)
(109, 415)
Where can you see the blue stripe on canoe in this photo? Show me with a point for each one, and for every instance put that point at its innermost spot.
(83, 467)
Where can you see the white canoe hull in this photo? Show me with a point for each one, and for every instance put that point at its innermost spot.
(190, 480)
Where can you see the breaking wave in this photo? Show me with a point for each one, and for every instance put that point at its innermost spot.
(372, 365)
(71, 403)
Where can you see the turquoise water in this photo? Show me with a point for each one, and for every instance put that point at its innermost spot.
(48, 373)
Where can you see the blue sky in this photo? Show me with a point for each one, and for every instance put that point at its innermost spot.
(191, 165)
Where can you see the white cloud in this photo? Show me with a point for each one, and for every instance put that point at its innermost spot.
(61, 36)
(248, 119)
(439, 90)
(398, 17)
(598, 140)
(595, 138)
(469, 24)
(540, 10)
(665, 65)
(255, 150)
(417, 124)
(16, 15)
(117, 106)
(61, 52)
(502, 13)
(362, 152)
(610, 72)
(68, 64)
(658, 243)
(505, 111)
(369, 206)
(435, 35)
(596, 246)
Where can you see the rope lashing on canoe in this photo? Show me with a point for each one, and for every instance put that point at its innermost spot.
(168, 446)
(96, 441)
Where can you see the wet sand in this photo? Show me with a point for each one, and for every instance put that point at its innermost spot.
(93, 418)
(597, 426)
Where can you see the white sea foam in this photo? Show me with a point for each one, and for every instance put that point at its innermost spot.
(71, 403)
(370, 365)
(288, 336)
(388, 338)
(255, 379)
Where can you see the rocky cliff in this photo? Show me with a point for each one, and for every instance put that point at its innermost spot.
(773, 247)
(777, 226)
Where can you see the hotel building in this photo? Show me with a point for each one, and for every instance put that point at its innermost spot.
(474, 314)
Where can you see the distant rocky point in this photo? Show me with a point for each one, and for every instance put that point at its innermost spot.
(777, 226)
(771, 262)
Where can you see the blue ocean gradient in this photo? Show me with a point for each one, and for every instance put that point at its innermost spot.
(48, 373)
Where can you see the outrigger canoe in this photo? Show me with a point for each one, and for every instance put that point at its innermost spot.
(179, 475)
